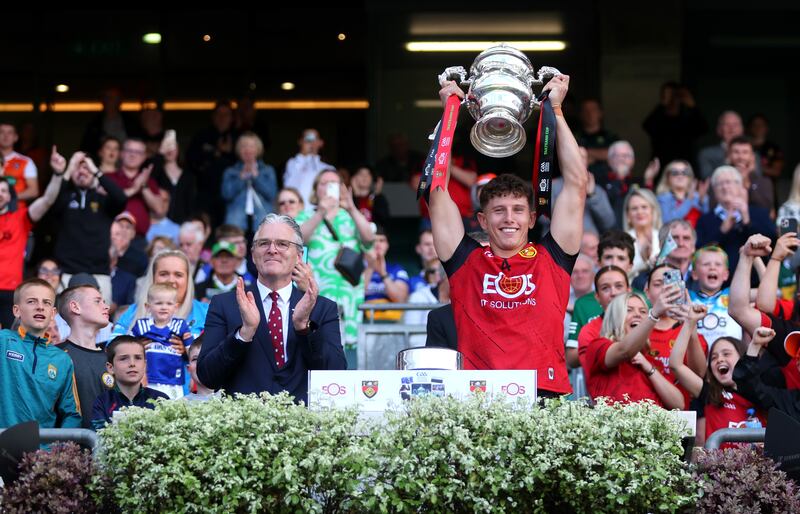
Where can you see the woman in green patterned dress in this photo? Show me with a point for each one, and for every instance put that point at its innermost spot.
(354, 231)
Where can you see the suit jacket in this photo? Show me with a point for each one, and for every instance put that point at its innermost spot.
(442, 328)
(227, 363)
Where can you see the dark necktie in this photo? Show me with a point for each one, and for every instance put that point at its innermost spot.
(275, 324)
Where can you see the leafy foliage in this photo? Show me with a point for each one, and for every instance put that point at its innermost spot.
(266, 454)
(52, 481)
(743, 480)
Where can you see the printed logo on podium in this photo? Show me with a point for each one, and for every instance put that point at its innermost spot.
(369, 388)
(477, 385)
(334, 389)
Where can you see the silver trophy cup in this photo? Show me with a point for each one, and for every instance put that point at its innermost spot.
(500, 97)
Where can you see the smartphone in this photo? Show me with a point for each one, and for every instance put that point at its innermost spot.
(787, 225)
(305, 254)
(333, 190)
(673, 276)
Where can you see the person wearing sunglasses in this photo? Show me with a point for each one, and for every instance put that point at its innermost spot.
(290, 202)
(680, 194)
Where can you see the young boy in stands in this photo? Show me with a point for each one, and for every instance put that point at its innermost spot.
(126, 362)
(710, 271)
(203, 393)
(36, 378)
(86, 313)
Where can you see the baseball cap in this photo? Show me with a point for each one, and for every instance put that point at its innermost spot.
(485, 179)
(224, 246)
(127, 216)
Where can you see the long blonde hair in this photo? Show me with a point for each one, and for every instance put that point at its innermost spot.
(648, 197)
(141, 294)
(614, 320)
(663, 183)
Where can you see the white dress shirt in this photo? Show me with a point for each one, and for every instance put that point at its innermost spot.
(284, 296)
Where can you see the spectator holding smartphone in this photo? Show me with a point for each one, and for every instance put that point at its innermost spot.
(613, 363)
(336, 214)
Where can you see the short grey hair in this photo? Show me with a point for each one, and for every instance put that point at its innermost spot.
(191, 229)
(612, 149)
(667, 229)
(723, 170)
(272, 218)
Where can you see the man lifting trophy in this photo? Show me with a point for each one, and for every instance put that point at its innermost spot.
(509, 300)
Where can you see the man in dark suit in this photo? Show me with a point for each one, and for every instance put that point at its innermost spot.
(267, 336)
(442, 328)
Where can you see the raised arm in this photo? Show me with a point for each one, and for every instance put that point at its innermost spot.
(365, 232)
(567, 224)
(634, 341)
(446, 224)
(39, 208)
(158, 200)
(666, 390)
(688, 378)
(784, 247)
(739, 308)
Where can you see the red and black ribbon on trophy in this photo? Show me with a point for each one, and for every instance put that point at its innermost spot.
(434, 173)
(544, 157)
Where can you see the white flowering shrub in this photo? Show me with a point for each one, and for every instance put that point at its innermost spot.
(250, 454)
(440, 456)
(266, 454)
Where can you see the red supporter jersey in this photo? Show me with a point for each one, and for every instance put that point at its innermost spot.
(589, 332)
(509, 313)
(732, 413)
(14, 228)
(624, 383)
(661, 343)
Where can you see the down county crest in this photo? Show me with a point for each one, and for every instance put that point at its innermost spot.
(529, 252)
(369, 388)
(477, 385)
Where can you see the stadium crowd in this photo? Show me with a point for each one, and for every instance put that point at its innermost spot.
(168, 262)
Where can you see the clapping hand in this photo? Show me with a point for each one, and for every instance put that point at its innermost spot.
(302, 311)
(249, 311)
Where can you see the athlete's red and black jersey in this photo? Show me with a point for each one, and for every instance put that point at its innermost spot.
(509, 313)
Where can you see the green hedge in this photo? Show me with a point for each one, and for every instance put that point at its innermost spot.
(265, 454)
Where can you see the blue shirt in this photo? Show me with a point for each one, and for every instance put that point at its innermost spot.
(113, 400)
(164, 364)
(376, 289)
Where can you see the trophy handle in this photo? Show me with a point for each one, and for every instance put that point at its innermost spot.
(453, 72)
(545, 72)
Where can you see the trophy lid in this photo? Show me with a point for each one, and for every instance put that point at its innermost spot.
(502, 56)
